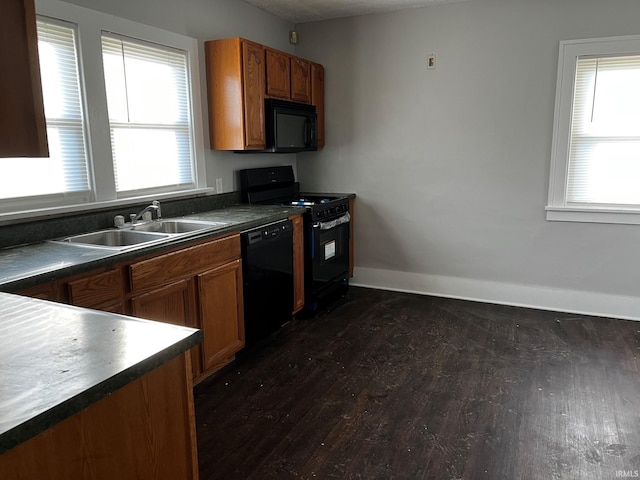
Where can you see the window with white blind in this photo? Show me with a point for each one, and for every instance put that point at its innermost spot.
(123, 114)
(65, 174)
(595, 168)
(149, 115)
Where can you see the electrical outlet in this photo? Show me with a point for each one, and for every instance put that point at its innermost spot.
(431, 62)
(218, 185)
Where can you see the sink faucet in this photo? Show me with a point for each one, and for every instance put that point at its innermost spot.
(155, 205)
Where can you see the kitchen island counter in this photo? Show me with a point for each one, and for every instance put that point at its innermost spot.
(56, 360)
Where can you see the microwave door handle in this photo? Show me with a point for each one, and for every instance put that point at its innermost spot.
(307, 132)
(312, 131)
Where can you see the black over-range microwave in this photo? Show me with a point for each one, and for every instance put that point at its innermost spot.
(290, 127)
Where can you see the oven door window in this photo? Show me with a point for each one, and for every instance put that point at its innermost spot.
(330, 253)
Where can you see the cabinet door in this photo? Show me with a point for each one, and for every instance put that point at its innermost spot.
(300, 80)
(23, 130)
(317, 98)
(101, 291)
(221, 314)
(253, 92)
(170, 304)
(278, 74)
(298, 264)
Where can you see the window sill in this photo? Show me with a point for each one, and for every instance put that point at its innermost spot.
(17, 217)
(593, 215)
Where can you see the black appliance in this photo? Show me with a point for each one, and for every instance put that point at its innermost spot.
(290, 127)
(267, 273)
(326, 229)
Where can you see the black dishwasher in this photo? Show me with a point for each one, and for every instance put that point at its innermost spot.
(267, 271)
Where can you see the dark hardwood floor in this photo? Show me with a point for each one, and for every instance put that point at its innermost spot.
(399, 386)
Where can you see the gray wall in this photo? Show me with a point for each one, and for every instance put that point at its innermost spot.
(451, 165)
(208, 20)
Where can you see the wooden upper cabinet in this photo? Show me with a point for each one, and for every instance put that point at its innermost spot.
(240, 75)
(253, 75)
(287, 77)
(23, 130)
(235, 87)
(278, 75)
(300, 80)
(317, 98)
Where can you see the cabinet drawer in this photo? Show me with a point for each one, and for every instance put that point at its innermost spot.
(45, 291)
(183, 263)
(96, 290)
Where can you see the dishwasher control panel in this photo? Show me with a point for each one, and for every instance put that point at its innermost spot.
(268, 231)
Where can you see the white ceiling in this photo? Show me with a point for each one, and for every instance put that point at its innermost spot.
(300, 11)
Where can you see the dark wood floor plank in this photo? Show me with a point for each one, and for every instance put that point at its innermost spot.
(399, 386)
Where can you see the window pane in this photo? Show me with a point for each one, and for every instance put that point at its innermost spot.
(148, 157)
(148, 101)
(604, 158)
(67, 169)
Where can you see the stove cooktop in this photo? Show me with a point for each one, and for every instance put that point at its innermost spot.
(307, 201)
(323, 207)
(277, 186)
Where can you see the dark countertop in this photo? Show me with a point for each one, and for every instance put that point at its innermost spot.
(25, 266)
(56, 359)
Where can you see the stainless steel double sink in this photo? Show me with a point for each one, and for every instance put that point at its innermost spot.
(140, 235)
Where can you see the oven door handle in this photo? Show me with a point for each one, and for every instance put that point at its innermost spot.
(333, 223)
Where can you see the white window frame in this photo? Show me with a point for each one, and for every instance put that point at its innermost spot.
(90, 25)
(557, 208)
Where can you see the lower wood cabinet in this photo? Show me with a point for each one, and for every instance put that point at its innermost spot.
(221, 314)
(100, 291)
(352, 212)
(144, 430)
(197, 286)
(44, 291)
(170, 304)
(298, 263)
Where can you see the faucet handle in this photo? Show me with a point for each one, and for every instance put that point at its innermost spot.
(156, 204)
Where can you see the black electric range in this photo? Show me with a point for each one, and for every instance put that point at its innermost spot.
(326, 229)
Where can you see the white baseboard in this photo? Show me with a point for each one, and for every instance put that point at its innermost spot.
(544, 298)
